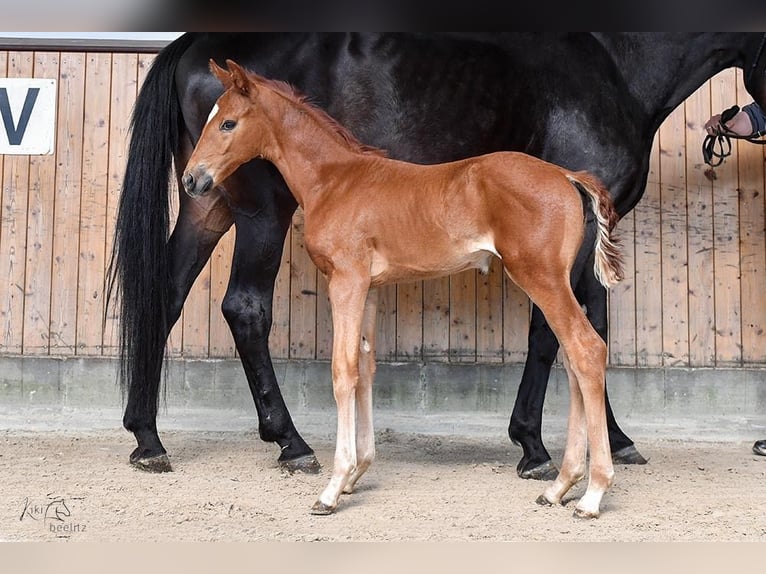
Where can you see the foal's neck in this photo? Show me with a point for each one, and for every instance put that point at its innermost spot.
(303, 147)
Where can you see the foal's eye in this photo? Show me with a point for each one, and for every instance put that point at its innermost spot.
(228, 125)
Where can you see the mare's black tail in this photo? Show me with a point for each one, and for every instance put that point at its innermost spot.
(138, 271)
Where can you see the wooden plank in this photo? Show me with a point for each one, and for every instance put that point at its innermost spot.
(436, 316)
(752, 223)
(622, 300)
(385, 337)
(489, 314)
(728, 327)
(516, 314)
(699, 196)
(95, 165)
(221, 339)
(123, 96)
(42, 180)
(409, 321)
(648, 277)
(462, 333)
(675, 328)
(67, 210)
(279, 338)
(303, 295)
(196, 317)
(324, 321)
(13, 233)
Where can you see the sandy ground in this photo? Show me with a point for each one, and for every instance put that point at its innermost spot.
(227, 486)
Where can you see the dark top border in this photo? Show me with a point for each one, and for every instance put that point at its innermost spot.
(81, 45)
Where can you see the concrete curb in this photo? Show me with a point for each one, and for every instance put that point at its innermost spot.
(439, 397)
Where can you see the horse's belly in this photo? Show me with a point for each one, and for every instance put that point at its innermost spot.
(384, 270)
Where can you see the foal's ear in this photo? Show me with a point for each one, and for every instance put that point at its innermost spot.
(223, 75)
(239, 77)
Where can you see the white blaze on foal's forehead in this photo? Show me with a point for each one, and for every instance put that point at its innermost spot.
(213, 112)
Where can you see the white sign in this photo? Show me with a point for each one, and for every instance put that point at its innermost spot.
(27, 116)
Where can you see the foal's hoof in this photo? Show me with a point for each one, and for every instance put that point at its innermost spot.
(545, 471)
(584, 514)
(321, 509)
(628, 455)
(157, 463)
(542, 501)
(307, 464)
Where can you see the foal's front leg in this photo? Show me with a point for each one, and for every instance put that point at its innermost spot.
(348, 292)
(365, 432)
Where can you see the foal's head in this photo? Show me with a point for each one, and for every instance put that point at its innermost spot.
(247, 122)
(237, 130)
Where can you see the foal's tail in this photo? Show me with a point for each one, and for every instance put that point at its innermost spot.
(608, 257)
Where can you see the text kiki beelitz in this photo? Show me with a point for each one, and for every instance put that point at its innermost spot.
(55, 513)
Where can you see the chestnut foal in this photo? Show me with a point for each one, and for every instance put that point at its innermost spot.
(370, 220)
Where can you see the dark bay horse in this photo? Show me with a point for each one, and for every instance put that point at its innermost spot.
(371, 221)
(587, 101)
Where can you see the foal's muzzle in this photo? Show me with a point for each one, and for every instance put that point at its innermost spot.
(197, 185)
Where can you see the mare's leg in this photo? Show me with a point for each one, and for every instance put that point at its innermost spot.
(348, 292)
(365, 432)
(199, 226)
(247, 308)
(525, 428)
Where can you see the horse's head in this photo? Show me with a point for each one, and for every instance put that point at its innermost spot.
(754, 68)
(235, 131)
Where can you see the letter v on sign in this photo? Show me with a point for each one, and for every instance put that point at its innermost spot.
(27, 116)
(15, 133)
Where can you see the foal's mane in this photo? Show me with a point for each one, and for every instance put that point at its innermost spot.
(293, 95)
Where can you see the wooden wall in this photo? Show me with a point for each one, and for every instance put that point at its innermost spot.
(695, 250)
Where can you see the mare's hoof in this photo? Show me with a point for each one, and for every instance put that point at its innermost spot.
(628, 455)
(545, 471)
(321, 509)
(157, 463)
(307, 464)
(585, 515)
(542, 501)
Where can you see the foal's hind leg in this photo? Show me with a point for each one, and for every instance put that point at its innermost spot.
(526, 420)
(592, 294)
(575, 454)
(525, 428)
(585, 357)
